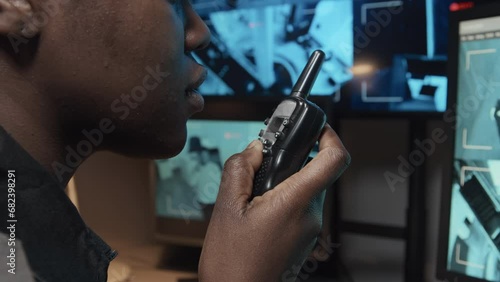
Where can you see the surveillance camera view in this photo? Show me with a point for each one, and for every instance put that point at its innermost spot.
(260, 47)
(474, 237)
(187, 185)
(400, 52)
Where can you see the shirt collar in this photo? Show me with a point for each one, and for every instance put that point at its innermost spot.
(52, 231)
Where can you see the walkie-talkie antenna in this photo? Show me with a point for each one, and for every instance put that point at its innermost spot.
(306, 80)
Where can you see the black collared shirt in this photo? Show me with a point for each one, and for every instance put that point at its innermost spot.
(57, 243)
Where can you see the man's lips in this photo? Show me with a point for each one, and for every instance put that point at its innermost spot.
(195, 101)
(194, 85)
(199, 74)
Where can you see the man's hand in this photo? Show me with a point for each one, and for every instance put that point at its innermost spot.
(259, 240)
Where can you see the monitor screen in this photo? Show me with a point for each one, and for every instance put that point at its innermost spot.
(382, 56)
(400, 55)
(473, 233)
(187, 185)
(184, 188)
(259, 48)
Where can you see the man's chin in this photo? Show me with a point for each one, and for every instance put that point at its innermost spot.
(152, 150)
(166, 154)
(168, 149)
(154, 154)
(150, 144)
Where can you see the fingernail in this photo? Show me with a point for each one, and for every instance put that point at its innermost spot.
(253, 144)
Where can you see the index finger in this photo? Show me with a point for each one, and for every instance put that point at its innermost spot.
(320, 173)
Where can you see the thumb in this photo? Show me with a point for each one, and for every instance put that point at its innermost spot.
(237, 177)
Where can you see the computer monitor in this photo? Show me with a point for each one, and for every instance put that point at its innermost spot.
(402, 48)
(469, 248)
(382, 56)
(185, 187)
(259, 48)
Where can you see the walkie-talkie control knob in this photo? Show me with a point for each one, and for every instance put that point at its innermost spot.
(278, 134)
(266, 122)
(266, 143)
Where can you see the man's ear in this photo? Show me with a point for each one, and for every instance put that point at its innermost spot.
(15, 16)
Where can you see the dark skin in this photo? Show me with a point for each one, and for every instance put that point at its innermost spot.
(65, 79)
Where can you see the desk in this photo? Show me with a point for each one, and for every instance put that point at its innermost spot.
(139, 263)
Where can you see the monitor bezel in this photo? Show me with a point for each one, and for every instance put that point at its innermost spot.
(478, 12)
(176, 231)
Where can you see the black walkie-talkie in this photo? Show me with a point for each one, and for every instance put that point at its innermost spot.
(291, 132)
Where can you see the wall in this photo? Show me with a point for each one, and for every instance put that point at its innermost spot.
(114, 197)
(366, 197)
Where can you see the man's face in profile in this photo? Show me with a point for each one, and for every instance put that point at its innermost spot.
(127, 61)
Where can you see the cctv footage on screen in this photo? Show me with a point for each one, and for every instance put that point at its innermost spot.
(474, 237)
(187, 185)
(380, 55)
(260, 47)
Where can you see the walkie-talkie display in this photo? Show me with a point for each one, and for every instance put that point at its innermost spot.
(291, 131)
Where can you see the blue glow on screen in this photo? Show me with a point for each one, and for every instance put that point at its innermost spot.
(474, 232)
(404, 43)
(189, 182)
(261, 47)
